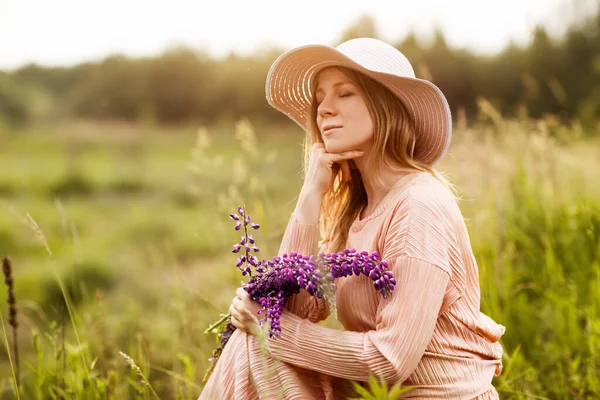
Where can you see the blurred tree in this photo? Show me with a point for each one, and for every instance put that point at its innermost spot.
(500, 79)
(541, 63)
(411, 48)
(13, 102)
(453, 71)
(180, 85)
(112, 89)
(241, 86)
(56, 80)
(365, 26)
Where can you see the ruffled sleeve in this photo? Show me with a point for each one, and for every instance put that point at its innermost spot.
(304, 239)
(405, 324)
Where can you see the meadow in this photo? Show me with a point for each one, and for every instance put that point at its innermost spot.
(129, 224)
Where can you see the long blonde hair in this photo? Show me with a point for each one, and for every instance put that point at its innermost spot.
(393, 144)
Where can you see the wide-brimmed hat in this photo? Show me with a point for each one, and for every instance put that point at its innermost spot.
(288, 87)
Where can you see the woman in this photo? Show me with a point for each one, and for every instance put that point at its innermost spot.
(377, 133)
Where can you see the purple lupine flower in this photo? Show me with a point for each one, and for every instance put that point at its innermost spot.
(247, 220)
(240, 211)
(234, 217)
(240, 261)
(243, 241)
(238, 226)
(254, 261)
(224, 336)
(236, 248)
(254, 226)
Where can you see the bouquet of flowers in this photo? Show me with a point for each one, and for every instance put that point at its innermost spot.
(272, 282)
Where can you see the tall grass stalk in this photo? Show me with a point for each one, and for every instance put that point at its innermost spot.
(39, 367)
(177, 377)
(75, 330)
(139, 372)
(12, 367)
(12, 312)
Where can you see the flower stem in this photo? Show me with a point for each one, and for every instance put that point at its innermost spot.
(218, 323)
(208, 373)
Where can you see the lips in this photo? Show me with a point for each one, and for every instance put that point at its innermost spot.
(329, 128)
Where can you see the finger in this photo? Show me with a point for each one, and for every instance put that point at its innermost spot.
(246, 316)
(238, 304)
(336, 157)
(242, 304)
(238, 324)
(318, 148)
(346, 175)
(240, 310)
(241, 314)
(241, 293)
(234, 312)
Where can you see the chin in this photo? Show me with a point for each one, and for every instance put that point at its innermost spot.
(333, 147)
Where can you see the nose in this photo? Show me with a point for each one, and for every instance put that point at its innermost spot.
(326, 108)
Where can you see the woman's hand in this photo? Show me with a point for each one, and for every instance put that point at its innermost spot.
(324, 167)
(243, 312)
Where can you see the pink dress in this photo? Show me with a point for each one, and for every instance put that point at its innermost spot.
(429, 334)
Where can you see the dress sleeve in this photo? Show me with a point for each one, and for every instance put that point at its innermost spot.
(304, 239)
(405, 324)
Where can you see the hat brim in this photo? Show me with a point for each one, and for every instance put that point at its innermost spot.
(288, 90)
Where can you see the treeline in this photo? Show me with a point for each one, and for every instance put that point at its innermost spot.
(561, 77)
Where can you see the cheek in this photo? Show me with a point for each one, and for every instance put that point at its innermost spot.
(363, 123)
(368, 127)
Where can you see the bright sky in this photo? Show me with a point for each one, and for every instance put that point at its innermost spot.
(65, 32)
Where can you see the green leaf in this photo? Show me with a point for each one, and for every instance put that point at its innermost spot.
(364, 393)
(188, 365)
(378, 387)
(397, 390)
(372, 381)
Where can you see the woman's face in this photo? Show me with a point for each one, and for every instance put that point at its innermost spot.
(341, 106)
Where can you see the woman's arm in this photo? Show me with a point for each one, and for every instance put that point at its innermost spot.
(302, 236)
(405, 324)
(302, 232)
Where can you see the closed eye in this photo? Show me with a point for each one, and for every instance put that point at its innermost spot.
(342, 95)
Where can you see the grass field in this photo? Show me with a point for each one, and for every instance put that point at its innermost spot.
(132, 222)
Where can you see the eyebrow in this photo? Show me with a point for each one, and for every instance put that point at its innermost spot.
(320, 90)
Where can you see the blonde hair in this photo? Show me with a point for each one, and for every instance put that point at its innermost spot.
(394, 141)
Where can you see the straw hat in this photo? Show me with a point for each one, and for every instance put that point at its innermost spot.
(288, 87)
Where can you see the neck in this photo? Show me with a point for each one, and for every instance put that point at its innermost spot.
(377, 189)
